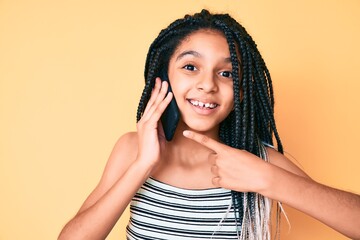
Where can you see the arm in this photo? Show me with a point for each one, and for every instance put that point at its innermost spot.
(134, 157)
(338, 209)
(121, 179)
(283, 181)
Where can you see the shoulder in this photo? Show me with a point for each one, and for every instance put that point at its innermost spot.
(125, 147)
(278, 159)
(126, 144)
(122, 156)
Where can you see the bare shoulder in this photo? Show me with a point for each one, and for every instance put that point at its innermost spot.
(126, 144)
(282, 161)
(122, 156)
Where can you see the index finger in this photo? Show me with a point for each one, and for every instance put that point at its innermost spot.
(203, 140)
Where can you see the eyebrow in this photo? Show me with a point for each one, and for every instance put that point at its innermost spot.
(190, 52)
(198, 55)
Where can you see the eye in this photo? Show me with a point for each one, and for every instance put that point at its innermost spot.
(226, 74)
(190, 67)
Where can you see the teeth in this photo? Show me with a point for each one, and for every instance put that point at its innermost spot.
(201, 104)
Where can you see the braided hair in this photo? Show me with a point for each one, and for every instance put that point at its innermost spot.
(251, 123)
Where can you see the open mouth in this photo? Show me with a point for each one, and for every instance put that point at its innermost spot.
(206, 105)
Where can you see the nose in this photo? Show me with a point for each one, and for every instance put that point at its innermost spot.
(207, 83)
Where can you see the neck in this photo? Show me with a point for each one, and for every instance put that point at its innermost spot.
(187, 152)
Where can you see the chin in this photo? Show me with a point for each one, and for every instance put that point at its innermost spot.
(203, 127)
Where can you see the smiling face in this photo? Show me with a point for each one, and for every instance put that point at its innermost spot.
(200, 75)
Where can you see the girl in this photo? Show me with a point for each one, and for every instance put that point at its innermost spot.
(214, 179)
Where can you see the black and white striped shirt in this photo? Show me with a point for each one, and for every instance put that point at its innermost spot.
(161, 211)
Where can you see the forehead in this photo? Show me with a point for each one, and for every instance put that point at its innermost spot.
(205, 40)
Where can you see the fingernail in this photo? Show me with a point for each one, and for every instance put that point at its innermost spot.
(186, 133)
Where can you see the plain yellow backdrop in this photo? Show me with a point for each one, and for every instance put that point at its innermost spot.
(71, 74)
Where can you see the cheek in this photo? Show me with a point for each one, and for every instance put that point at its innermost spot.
(174, 86)
(177, 90)
(228, 93)
(180, 87)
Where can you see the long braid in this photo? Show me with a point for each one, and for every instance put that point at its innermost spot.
(257, 115)
(148, 86)
(252, 120)
(252, 137)
(254, 204)
(241, 33)
(237, 197)
(235, 72)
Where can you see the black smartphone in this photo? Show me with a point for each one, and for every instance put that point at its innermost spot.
(170, 117)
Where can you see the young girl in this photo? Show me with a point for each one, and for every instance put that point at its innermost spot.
(214, 179)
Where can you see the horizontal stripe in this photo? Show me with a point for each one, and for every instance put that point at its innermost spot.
(161, 211)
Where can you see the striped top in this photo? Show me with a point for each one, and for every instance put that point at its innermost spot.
(161, 211)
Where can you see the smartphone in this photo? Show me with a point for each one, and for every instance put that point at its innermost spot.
(170, 117)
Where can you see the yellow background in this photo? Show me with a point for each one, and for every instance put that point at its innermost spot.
(71, 74)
